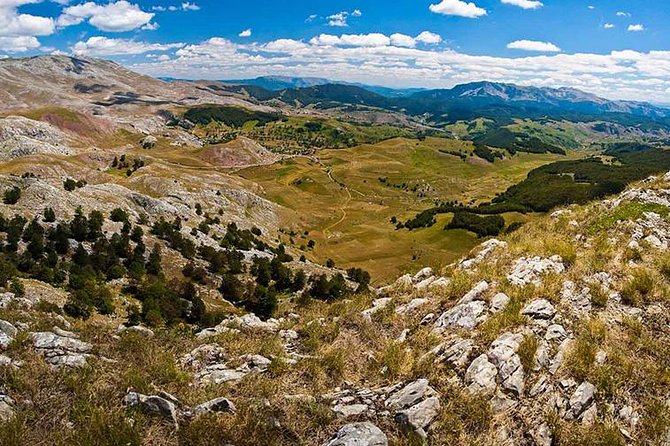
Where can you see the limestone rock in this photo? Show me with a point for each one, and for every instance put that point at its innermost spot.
(539, 309)
(153, 405)
(499, 302)
(582, 398)
(215, 405)
(467, 316)
(530, 269)
(359, 434)
(59, 350)
(481, 375)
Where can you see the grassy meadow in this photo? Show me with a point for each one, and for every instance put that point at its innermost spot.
(338, 197)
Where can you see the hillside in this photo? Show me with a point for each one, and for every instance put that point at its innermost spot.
(555, 334)
(198, 263)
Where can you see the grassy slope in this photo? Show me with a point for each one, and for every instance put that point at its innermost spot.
(351, 225)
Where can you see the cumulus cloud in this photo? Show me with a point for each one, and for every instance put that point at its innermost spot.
(15, 24)
(429, 38)
(104, 46)
(608, 25)
(636, 28)
(117, 16)
(458, 8)
(623, 14)
(525, 4)
(187, 6)
(341, 18)
(245, 33)
(376, 40)
(18, 44)
(533, 45)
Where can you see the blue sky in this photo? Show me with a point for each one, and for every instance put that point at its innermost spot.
(616, 48)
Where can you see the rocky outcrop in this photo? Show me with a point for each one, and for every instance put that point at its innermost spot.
(531, 269)
(63, 349)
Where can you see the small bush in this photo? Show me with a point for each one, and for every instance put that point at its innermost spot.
(638, 288)
(12, 195)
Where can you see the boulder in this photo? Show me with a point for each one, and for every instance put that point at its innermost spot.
(359, 434)
(60, 350)
(409, 395)
(149, 142)
(7, 333)
(530, 269)
(466, 316)
(153, 405)
(582, 398)
(481, 375)
(499, 302)
(419, 417)
(539, 309)
(475, 292)
(216, 405)
(142, 331)
(350, 410)
(422, 275)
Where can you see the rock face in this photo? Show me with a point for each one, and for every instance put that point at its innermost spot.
(21, 136)
(62, 350)
(359, 434)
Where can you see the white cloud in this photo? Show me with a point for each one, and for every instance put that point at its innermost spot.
(403, 40)
(429, 38)
(608, 25)
(112, 17)
(18, 44)
(355, 40)
(311, 18)
(591, 7)
(617, 75)
(533, 45)
(14, 24)
(245, 33)
(458, 8)
(104, 46)
(340, 19)
(376, 40)
(636, 28)
(525, 4)
(188, 6)
(623, 14)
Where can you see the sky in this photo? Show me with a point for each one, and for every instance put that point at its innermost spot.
(619, 49)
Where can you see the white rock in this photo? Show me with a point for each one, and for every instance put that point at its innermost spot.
(424, 274)
(411, 306)
(582, 398)
(499, 302)
(359, 434)
(481, 375)
(475, 292)
(539, 309)
(466, 316)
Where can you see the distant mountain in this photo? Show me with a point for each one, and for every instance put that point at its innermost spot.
(278, 83)
(564, 100)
